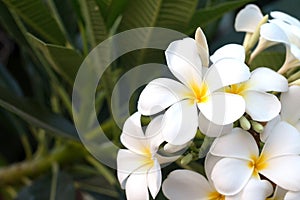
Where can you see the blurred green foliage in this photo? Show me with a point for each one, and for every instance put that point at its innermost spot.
(42, 45)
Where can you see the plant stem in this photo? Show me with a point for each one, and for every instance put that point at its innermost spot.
(32, 168)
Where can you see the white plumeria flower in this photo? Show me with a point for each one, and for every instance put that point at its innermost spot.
(197, 89)
(290, 111)
(260, 105)
(279, 160)
(282, 29)
(139, 167)
(186, 184)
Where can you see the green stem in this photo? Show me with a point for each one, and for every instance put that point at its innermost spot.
(64, 154)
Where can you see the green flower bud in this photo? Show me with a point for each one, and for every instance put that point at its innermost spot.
(245, 124)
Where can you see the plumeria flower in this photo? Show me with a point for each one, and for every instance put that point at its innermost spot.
(260, 105)
(182, 184)
(139, 166)
(282, 29)
(198, 89)
(290, 111)
(279, 160)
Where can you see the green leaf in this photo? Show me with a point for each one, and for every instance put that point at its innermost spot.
(37, 115)
(7, 21)
(270, 59)
(115, 9)
(205, 16)
(64, 60)
(38, 17)
(40, 189)
(173, 14)
(95, 24)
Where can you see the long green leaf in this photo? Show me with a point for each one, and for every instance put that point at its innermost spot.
(37, 16)
(64, 60)
(205, 16)
(95, 24)
(37, 115)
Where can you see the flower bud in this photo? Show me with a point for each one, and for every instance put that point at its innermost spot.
(245, 124)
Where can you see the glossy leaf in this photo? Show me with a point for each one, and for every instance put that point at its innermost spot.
(36, 15)
(37, 115)
(205, 16)
(64, 60)
(94, 20)
(270, 59)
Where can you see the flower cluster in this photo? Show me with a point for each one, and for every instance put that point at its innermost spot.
(248, 120)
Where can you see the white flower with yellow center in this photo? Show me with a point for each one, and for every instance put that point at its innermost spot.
(279, 160)
(198, 87)
(260, 105)
(139, 166)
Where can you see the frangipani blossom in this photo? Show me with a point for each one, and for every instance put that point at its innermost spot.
(139, 166)
(279, 160)
(290, 111)
(283, 29)
(260, 105)
(198, 89)
(248, 18)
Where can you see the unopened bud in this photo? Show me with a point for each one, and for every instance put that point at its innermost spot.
(257, 127)
(245, 124)
(186, 159)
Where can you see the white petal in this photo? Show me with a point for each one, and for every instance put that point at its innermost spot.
(284, 140)
(223, 108)
(272, 32)
(154, 179)
(183, 61)
(285, 17)
(180, 123)
(256, 189)
(170, 148)
(265, 79)
(230, 175)
(202, 46)
(290, 102)
(186, 184)
(132, 136)
(136, 187)
(292, 195)
(261, 106)
(269, 128)
(238, 144)
(211, 129)
(160, 94)
(226, 72)
(209, 163)
(153, 133)
(127, 163)
(248, 18)
(234, 51)
(284, 171)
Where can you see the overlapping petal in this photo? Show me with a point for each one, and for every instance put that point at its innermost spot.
(238, 144)
(265, 79)
(272, 32)
(284, 171)
(202, 47)
(261, 106)
(183, 61)
(183, 184)
(182, 128)
(136, 187)
(226, 72)
(290, 101)
(154, 179)
(285, 17)
(230, 175)
(234, 51)
(160, 94)
(223, 108)
(211, 129)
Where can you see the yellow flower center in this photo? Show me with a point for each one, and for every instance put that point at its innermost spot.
(148, 156)
(257, 164)
(216, 196)
(238, 88)
(200, 92)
